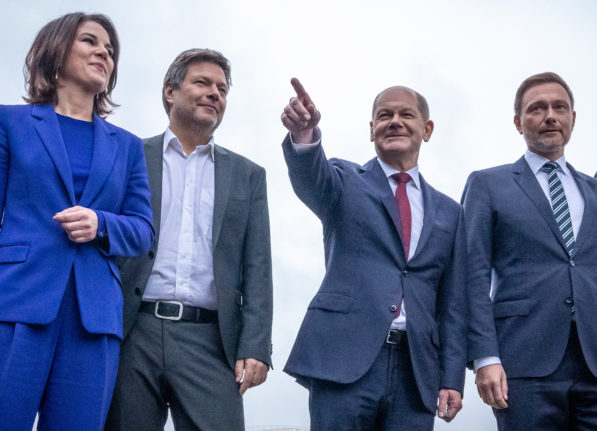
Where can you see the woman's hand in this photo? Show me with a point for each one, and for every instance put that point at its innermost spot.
(79, 223)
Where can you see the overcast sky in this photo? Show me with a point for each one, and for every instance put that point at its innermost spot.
(466, 57)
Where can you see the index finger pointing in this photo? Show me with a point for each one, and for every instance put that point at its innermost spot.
(300, 91)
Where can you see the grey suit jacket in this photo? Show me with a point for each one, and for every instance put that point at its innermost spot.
(241, 253)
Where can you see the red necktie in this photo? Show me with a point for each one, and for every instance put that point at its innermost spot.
(402, 179)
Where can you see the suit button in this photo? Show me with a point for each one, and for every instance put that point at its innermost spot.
(572, 263)
(151, 254)
(569, 301)
(393, 308)
(137, 291)
(404, 273)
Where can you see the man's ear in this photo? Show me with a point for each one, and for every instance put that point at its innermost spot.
(518, 124)
(428, 130)
(168, 90)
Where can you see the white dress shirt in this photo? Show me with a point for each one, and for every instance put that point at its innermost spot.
(183, 269)
(415, 198)
(576, 205)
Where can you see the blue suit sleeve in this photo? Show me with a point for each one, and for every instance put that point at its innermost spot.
(4, 164)
(479, 217)
(130, 233)
(453, 314)
(315, 180)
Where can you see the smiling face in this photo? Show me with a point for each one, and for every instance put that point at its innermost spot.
(201, 98)
(398, 127)
(546, 119)
(89, 64)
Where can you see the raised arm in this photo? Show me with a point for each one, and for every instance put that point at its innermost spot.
(300, 116)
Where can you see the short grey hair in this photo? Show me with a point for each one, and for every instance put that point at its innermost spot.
(422, 104)
(178, 69)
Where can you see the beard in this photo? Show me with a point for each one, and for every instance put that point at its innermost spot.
(544, 145)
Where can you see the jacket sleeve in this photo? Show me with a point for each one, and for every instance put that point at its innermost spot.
(257, 301)
(479, 217)
(4, 163)
(315, 180)
(453, 313)
(130, 232)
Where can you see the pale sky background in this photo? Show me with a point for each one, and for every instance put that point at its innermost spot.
(466, 57)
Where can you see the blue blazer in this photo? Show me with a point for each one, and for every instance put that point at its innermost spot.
(348, 319)
(512, 232)
(36, 256)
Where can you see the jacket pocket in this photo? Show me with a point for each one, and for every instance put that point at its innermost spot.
(520, 307)
(14, 253)
(329, 301)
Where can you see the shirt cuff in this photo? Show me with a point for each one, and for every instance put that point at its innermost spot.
(300, 147)
(483, 362)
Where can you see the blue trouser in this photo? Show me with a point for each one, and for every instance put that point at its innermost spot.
(566, 400)
(385, 398)
(59, 370)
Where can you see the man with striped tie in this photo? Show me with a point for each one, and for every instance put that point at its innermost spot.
(532, 237)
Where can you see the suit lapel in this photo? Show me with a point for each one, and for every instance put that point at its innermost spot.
(154, 158)
(527, 181)
(104, 154)
(430, 205)
(222, 181)
(374, 175)
(51, 136)
(590, 199)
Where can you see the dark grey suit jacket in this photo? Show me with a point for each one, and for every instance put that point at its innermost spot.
(241, 253)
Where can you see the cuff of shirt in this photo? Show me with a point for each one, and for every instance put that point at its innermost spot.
(483, 362)
(300, 147)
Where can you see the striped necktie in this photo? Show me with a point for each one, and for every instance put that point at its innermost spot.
(559, 205)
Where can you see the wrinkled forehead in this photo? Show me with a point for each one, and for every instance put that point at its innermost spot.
(396, 94)
(547, 92)
(207, 69)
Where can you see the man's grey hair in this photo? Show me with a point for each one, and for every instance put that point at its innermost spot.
(178, 69)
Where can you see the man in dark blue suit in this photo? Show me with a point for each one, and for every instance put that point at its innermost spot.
(532, 238)
(385, 333)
